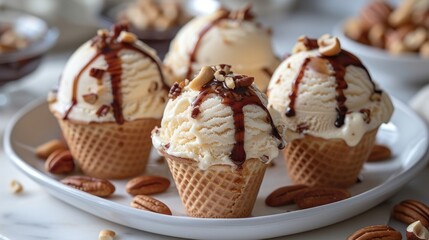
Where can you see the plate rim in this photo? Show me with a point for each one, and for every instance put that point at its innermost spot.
(374, 194)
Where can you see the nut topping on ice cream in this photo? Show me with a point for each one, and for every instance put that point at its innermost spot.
(339, 60)
(222, 111)
(329, 46)
(331, 85)
(331, 111)
(205, 76)
(112, 78)
(305, 44)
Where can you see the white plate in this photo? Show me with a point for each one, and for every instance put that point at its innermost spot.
(406, 135)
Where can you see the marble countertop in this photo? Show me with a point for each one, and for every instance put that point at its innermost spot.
(35, 214)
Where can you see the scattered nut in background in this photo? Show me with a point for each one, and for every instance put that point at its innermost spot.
(151, 14)
(416, 231)
(409, 211)
(106, 235)
(60, 162)
(95, 186)
(379, 153)
(147, 185)
(376, 232)
(284, 195)
(11, 40)
(43, 151)
(151, 204)
(16, 187)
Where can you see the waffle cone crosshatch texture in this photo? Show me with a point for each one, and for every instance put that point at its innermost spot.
(220, 191)
(327, 162)
(108, 100)
(331, 110)
(109, 150)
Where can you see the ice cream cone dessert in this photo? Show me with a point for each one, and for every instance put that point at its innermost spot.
(331, 110)
(217, 137)
(231, 37)
(110, 96)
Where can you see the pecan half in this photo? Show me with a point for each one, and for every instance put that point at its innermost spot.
(244, 81)
(409, 211)
(284, 195)
(43, 151)
(317, 196)
(375, 12)
(147, 185)
(379, 153)
(376, 232)
(148, 203)
(95, 186)
(60, 162)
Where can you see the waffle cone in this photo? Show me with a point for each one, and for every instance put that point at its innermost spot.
(316, 161)
(221, 191)
(109, 150)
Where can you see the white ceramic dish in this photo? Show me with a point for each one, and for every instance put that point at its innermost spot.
(406, 135)
(406, 68)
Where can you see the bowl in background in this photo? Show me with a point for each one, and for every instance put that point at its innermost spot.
(404, 68)
(158, 39)
(19, 63)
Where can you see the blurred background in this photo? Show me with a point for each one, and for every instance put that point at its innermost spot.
(77, 20)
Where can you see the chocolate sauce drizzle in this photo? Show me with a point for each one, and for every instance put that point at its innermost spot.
(339, 63)
(109, 47)
(290, 111)
(267, 71)
(193, 54)
(243, 14)
(237, 99)
(97, 73)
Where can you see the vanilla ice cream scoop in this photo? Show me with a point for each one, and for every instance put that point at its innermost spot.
(324, 91)
(217, 118)
(112, 78)
(223, 37)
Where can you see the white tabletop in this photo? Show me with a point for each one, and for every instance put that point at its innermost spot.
(35, 214)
